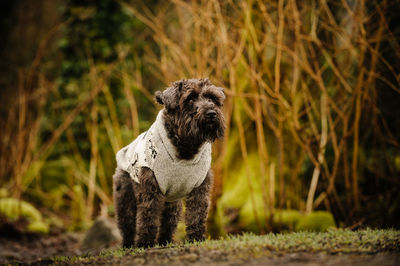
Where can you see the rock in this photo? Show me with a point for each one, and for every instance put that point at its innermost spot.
(103, 234)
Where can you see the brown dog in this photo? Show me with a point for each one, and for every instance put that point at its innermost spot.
(169, 162)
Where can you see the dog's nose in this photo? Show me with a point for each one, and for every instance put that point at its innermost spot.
(211, 114)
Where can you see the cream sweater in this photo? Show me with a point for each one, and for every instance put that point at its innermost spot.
(153, 149)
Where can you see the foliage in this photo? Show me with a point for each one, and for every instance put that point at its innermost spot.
(312, 93)
(302, 81)
(13, 210)
(67, 138)
(316, 221)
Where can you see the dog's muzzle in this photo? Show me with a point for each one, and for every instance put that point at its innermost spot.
(211, 115)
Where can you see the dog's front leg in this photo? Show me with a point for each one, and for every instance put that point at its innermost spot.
(150, 202)
(125, 206)
(197, 210)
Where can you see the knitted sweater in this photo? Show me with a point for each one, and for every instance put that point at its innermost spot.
(153, 149)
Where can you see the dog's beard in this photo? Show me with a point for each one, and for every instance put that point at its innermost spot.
(212, 130)
(200, 129)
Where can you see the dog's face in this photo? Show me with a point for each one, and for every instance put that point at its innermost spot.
(194, 108)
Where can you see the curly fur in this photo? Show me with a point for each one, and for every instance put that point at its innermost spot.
(193, 116)
(187, 103)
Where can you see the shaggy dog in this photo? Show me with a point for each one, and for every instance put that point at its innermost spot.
(167, 163)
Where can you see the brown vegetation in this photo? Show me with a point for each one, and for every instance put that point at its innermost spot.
(310, 88)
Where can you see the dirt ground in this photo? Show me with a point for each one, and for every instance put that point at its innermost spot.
(197, 258)
(44, 250)
(33, 248)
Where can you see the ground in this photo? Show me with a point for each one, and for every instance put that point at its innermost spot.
(335, 247)
(33, 248)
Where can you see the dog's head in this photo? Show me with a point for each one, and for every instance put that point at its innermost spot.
(194, 108)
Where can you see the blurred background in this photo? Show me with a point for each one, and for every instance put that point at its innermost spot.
(312, 109)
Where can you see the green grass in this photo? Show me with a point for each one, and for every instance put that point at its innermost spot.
(337, 241)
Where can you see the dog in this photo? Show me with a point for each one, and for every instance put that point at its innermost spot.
(167, 163)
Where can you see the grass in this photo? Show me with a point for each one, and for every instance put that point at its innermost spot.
(246, 246)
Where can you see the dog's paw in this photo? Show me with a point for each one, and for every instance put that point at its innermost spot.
(145, 244)
(196, 238)
(128, 244)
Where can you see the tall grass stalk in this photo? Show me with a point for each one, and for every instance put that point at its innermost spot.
(297, 74)
(300, 81)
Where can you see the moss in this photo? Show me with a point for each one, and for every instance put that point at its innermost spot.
(246, 246)
(292, 220)
(14, 209)
(316, 221)
(38, 227)
(237, 195)
(286, 219)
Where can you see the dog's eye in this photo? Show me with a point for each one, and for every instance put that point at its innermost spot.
(214, 99)
(191, 99)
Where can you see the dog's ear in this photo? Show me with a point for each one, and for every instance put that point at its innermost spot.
(221, 93)
(170, 97)
(158, 97)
